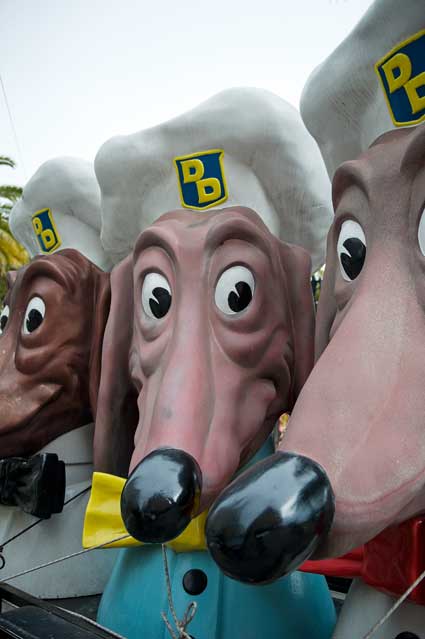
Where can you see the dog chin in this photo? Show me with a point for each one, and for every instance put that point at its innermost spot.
(16, 435)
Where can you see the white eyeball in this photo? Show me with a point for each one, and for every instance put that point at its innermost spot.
(421, 233)
(234, 290)
(34, 315)
(351, 248)
(4, 316)
(156, 296)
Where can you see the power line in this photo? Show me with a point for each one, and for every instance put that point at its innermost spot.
(21, 157)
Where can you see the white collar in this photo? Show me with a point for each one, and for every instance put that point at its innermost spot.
(75, 447)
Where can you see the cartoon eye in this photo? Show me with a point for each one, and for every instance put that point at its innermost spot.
(34, 315)
(421, 233)
(234, 290)
(156, 296)
(351, 249)
(4, 316)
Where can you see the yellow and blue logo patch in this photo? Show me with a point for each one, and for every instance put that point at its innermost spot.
(201, 179)
(402, 76)
(45, 231)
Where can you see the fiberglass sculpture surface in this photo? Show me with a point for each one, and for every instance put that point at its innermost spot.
(372, 82)
(52, 325)
(359, 419)
(216, 343)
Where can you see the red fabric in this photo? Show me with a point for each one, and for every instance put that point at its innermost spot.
(391, 562)
(349, 565)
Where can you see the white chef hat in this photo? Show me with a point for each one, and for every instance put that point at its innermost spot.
(374, 81)
(60, 208)
(243, 147)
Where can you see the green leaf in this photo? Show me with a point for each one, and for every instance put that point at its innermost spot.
(10, 192)
(3, 288)
(5, 161)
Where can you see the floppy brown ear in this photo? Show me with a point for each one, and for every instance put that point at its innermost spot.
(117, 413)
(101, 307)
(296, 263)
(11, 278)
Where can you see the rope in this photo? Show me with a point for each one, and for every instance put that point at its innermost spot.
(94, 623)
(12, 124)
(398, 603)
(35, 523)
(190, 610)
(180, 625)
(60, 559)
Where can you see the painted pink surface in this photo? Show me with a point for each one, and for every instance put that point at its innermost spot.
(361, 413)
(208, 383)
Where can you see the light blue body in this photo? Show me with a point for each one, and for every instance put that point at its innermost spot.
(295, 607)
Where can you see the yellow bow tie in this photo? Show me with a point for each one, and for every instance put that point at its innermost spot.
(103, 520)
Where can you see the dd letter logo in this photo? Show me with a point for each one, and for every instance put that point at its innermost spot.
(45, 231)
(201, 179)
(402, 76)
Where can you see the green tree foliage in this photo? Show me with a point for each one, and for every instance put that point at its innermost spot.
(12, 254)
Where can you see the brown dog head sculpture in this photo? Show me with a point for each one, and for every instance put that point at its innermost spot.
(217, 318)
(51, 328)
(360, 415)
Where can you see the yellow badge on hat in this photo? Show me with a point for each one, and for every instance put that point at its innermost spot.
(45, 230)
(201, 179)
(402, 76)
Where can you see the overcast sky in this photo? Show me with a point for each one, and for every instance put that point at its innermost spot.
(78, 72)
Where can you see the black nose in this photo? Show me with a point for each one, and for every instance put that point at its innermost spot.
(271, 518)
(161, 495)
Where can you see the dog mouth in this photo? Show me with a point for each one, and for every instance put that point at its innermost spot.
(16, 419)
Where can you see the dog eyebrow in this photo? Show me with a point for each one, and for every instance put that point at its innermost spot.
(67, 278)
(154, 237)
(237, 229)
(414, 156)
(348, 174)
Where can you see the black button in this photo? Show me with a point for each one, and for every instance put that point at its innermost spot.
(407, 635)
(195, 581)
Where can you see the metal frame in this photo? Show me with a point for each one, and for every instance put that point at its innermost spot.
(19, 598)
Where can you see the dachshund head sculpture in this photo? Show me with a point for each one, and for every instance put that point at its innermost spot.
(359, 420)
(210, 332)
(51, 327)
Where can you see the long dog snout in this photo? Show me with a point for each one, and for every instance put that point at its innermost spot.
(161, 495)
(210, 380)
(271, 519)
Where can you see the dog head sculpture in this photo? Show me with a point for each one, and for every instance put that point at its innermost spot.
(51, 327)
(210, 331)
(359, 421)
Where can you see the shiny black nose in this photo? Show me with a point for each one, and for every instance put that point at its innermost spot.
(161, 495)
(271, 518)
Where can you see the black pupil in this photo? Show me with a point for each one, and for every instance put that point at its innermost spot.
(353, 263)
(3, 322)
(239, 301)
(161, 305)
(33, 320)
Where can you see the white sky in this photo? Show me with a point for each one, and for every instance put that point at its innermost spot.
(77, 72)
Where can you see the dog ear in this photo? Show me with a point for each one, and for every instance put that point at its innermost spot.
(117, 413)
(296, 264)
(101, 308)
(11, 278)
(326, 309)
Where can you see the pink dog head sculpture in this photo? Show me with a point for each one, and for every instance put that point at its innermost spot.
(360, 415)
(210, 329)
